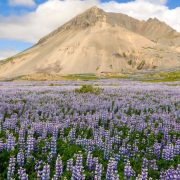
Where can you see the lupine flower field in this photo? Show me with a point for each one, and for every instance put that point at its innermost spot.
(128, 131)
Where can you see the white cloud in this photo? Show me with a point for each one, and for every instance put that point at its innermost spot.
(53, 13)
(137, 9)
(154, 1)
(27, 3)
(7, 53)
(47, 17)
(144, 9)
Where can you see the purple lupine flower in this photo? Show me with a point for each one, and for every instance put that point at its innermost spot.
(128, 171)
(22, 174)
(98, 171)
(89, 161)
(2, 146)
(11, 168)
(144, 173)
(112, 170)
(69, 165)
(58, 168)
(30, 145)
(168, 152)
(20, 158)
(53, 147)
(46, 172)
(10, 145)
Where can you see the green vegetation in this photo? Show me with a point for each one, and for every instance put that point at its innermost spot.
(52, 84)
(89, 89)
(84, 77)
(163, 77)
(97, 68)
(130, 62)
(116, 76)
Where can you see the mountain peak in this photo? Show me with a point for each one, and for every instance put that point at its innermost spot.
(156, 23)
(89, 18)
(95, 10)
(154, 20)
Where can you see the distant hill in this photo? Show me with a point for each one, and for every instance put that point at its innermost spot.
(99, 42)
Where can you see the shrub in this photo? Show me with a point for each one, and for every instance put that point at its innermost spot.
(124, 55)
(141, 65)
(130, 62)
(87, 88)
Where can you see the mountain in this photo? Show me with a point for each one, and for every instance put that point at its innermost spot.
(99, 42)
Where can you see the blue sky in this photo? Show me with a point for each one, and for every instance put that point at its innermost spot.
(170, 3)
(5, 9)
(15, 17)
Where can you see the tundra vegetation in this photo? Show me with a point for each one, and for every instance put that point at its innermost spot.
(127, 131)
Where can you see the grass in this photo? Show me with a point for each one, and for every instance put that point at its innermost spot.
(85, 77)
(116, 76)
(155, 76)
(163, 77)
(90, 77)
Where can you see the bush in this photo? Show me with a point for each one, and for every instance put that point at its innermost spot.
(87, 88)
